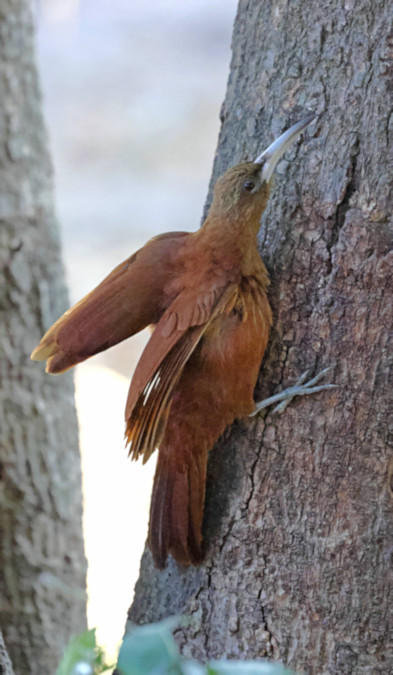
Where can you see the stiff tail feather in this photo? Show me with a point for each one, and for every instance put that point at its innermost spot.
(177, 506)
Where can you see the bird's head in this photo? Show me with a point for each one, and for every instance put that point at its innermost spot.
(244, 189)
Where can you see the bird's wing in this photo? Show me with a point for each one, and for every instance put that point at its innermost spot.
(174, 339)
(126, 301)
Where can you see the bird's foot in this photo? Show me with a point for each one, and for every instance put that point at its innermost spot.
(300, 388)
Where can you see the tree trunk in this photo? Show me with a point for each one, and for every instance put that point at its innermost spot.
(5, 663)
(42, 579)
(299, 512)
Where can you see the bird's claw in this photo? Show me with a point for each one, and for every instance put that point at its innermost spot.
(300, 388)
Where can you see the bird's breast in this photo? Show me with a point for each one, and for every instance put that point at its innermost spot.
(238, 337)
(250, 305)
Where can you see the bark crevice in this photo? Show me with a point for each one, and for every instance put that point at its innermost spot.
(344, 205)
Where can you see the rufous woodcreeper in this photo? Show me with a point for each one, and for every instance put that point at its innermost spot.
(204, 295)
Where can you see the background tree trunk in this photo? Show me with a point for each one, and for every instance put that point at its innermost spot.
(299, 520)
(5, 663)
(42, 564)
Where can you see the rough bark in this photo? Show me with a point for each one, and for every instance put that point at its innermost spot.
(42, 564)
(5, 662)
(299, 511)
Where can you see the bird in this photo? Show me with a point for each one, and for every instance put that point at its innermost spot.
(204, 296)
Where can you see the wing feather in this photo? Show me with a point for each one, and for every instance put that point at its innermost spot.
(161, 366)
(130, 298)
(146, 424)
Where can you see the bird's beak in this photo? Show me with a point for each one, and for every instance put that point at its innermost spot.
(275, 151)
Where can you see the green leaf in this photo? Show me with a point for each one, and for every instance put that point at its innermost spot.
(195, 668)
(150, 650)
(83, 656)
(80, 648)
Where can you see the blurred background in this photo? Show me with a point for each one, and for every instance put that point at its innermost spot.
(132, 93)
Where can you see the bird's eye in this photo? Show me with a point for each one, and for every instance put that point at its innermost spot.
(249, 185)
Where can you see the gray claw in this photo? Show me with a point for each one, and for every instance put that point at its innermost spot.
(299, 389)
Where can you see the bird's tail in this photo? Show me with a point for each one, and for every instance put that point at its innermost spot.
(177, 505)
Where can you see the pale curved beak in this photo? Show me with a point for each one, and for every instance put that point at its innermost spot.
(275, 151)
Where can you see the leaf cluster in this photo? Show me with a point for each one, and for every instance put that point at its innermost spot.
(151, 650)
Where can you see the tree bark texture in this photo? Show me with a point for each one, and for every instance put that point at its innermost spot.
(42, 564)
(5, 662)
(299, 508)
